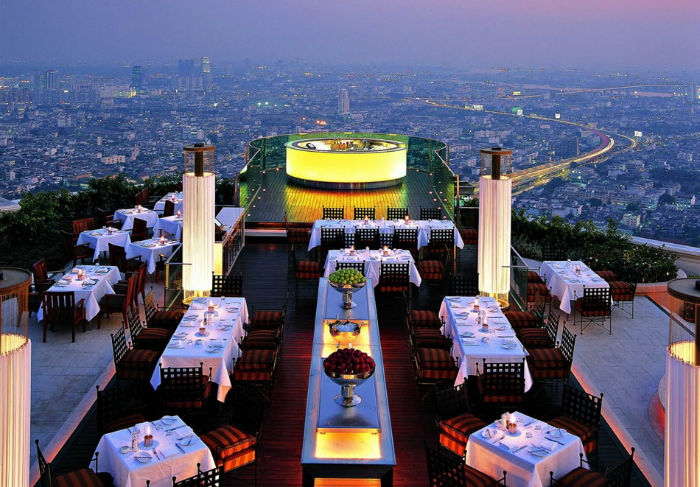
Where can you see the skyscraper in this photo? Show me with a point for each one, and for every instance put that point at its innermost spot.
(343, 102)
(692, 92)
(136, 79)
(206, 72)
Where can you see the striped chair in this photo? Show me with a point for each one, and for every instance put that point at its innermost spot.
(537, 289)
(455, 423)
(501, 384)
(423, 318)
(431, 270)
(580, 415)
(470, 236)
(522, 319)
(607, 275)
(132, 364)
(150, 338)
(430, 338)
(538, 337)
(255, 367)
(121, 406)
(553, 364)
(261, 339)
(450, 470)
(184, 388)
(433, 366)
(618, 476)
(594, 306)
(269, 319)
(622, 293)
(83, 477)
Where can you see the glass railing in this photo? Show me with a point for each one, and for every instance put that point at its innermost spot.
(269, 154)
(172, 292)
(518, 280)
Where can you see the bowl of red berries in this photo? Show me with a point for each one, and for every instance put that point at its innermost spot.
(348, 367)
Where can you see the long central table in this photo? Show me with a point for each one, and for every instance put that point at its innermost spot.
(336, 443)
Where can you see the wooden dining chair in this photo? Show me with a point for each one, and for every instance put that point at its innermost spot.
(83, 224)
(119, 302)
(140, 230)
(60, 308)
(169, 208)
(74, 252)
(117, 257)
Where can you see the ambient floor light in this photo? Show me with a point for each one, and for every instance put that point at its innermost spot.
(198, 221)
(682, 432)
(15, 378)
(495, 188)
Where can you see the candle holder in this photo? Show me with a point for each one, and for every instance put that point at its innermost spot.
(148, 440)
(512, 428)
(385, 251)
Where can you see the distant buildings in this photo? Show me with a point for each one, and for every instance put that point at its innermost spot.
(343, 102)
(137, 79)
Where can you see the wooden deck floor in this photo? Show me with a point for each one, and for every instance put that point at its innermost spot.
(279, 198)
(265, 268)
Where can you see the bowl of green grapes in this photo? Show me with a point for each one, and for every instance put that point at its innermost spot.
(347, 282)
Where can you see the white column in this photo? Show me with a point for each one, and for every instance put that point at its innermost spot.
(15, 409)
(198, 234)
(494, 235)
(682, 433)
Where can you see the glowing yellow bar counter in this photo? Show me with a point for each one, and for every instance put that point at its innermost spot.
(342, 452)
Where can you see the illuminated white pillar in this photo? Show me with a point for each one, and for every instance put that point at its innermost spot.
(495, 189)
(15, 409)
(682, 433)
(198, 221)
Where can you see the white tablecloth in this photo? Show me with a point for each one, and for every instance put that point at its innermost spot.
(373, 263)
(127, 215)
(101, 238)
(566, 284)
(171, 461)
(170, 224)
(492, 456)
(174, 197)
(150, 251)
(385, 226)
(225, 329)
(91, 294)
(460, 319)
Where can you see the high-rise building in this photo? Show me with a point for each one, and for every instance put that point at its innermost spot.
(51, 80)
(343, 102)
(692, 92)
(137, 79)
(189, 79)
(206, 72)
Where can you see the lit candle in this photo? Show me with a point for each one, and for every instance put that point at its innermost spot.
(385, 250)
(352, 249)
(179, 214)
(211, 306)
(476, 304)
(148, 437)
(366, 219)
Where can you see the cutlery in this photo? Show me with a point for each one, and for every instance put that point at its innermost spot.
(506, 336)
(180, 447)
(519, 448)
(176, 427)
(552, 439)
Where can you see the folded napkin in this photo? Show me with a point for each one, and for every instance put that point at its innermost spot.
(508, 444)
(168, 450)
(182, 433)
(547, 445)
(555, 433)
(470, 342)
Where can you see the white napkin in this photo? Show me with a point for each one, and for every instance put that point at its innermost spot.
(547, 445)
(168, 450)
(508, 443)
(184, 432)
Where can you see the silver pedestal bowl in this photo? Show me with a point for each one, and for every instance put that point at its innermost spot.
(347, 382)
(347, 290)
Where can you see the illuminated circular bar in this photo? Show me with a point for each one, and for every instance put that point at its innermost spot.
(346, 163)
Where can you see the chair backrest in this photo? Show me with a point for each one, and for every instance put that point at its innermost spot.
(393, 213)
(67, 241)
(149, 306)
(138, 199)
(442, 236)
(142, 278)
(581, 406)
(83, 224)
(132, 283)
(45, 479)
(140, 228)
(117, 256)
(169, 208)
(553, 251)
(298, 235)
(348, 240)
(133, 322)
(359, 213)
(210, 478)
(367, 237)
(182, 384)
(39, 270)
(596, 300)
(248, 409)
(451, 401)
(386, 240)
(102, 217)
(120, 400)
(430, 213)
(503, 378)
(333, 213)
(59, 306)
(568, 342)
(620, 475)
(359, 266)
(119, 346)
(444, 471)
(333, 238)
(552, 326)
(231, 285)
(461, 285)
(394, 273)
(406, 238)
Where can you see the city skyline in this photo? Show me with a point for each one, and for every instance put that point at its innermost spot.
(596, 34)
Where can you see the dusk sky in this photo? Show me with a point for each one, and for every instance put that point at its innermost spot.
(583, 34)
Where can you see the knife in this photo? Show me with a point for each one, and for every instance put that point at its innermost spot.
(519, 448)
(552, 439)
(181, 449)
(176, 427)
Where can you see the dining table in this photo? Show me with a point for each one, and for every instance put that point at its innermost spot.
(373, 260)
(216, 349)
(150, 250)
(528, 454)
(566, 280)
(386, 226)
(126, 217)
(471, 344)
(100, 238)
(176, 197)
(172, 225)
(98, 281)
(175, 451)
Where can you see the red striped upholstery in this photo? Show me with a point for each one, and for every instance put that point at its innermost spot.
(434, 358)
(231, 447)
(438, 374)
(83, 477)
(456, 431)
(153, 338)
(432, 341)
(521, 319)
(256, 359)
(608, 275)
(534, 338)
(393, 288)
(470, 236)
(476, 478)
(123, 422)
(168, 319)
(424, 318)
(251, 375)
(298, 235)
(547, 358)
(582, 477)
(261, 339)
(534, 277)
(587, 434)
(308, 269)
(621, 291)
(604, 311)
(191, 402)
(268, 319)
(137, 364)
(533, 289)
(431, 270)
(498, 398)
